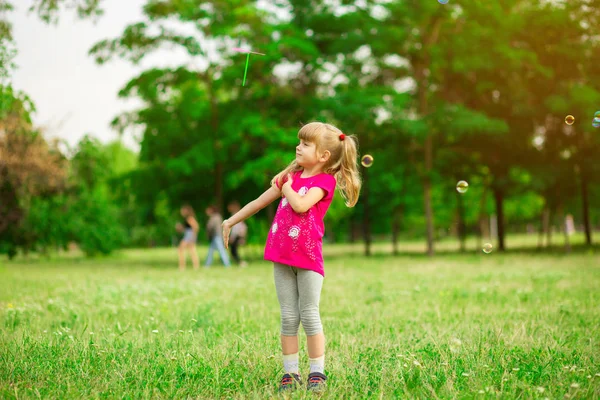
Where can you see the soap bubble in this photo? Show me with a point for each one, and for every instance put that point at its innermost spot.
(597, 115)
(367, 160)
(487, 248)
(443, 1)
(462, 187)
(596, 123)
(569, 120)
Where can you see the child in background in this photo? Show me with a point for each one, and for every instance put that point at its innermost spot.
(190, 230)
(325, 157)
(239, 234)
(214, 231)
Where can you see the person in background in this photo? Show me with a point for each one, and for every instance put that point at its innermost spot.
(214, 231)
(239, 235)
(190, 229)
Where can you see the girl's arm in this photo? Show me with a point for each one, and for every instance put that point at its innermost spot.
(249, 210)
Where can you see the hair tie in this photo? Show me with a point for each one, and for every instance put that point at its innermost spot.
(342, 136)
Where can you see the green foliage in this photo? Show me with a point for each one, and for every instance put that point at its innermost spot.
(488, 84)
(94, 222)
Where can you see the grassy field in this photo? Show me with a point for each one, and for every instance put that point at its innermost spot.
(474, 325)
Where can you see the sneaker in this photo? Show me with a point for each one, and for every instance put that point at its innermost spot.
(290, 382)
(316, 382)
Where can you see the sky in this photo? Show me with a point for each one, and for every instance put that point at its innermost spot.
(73, 95)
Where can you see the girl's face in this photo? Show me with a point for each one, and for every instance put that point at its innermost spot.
(306, 154)
(183, 211)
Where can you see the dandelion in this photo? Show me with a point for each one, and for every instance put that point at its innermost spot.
(10, 305)
(456, 341)
(574, 385)
(540, 389)
(155, 331)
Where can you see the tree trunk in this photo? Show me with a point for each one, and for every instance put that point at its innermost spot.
(543, 224)
(366, 222)
(548, 227)
(428, 157)
(214, 123)
(481, 218)
(499, 199)
(219, 187)
(396, 222)
(586, 209)
(421, 64)
(461, 231)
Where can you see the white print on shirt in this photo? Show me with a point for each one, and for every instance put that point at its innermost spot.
(303, 190)
(284, 202)
(274, 229)
(294, 232)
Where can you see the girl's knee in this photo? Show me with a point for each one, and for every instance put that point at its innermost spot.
(290, 322)
(311, 320)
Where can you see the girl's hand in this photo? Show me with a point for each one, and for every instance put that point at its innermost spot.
(226, 231)
(288, 183)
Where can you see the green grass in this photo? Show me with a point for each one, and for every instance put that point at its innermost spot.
(516, 325)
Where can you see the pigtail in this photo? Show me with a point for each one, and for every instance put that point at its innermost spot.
(348, 176)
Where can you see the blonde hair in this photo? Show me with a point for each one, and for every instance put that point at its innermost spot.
(342, 164)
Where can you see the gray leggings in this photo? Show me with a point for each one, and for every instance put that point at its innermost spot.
(298, 291)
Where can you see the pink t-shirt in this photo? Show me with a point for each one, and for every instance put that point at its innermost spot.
(297, 239)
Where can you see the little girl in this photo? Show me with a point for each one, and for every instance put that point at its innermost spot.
(325, 157)
(190, 229)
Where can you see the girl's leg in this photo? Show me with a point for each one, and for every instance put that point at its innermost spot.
(181, 250)
(287, 294)
(234, 251)
(310, 284)
(194, 255)
(222, 252)
(209, 257)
